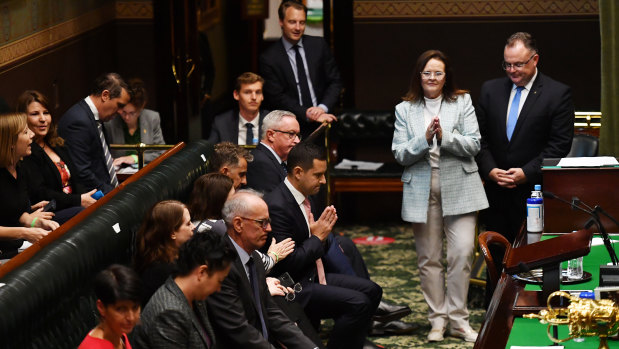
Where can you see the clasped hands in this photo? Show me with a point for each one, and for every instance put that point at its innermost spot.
(434, 129)
(508, 178)
(319, 115)
(323, 226)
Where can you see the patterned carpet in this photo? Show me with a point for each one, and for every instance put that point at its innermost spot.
(394, 267)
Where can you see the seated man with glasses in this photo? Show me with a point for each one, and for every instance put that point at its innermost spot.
(523, 118)
(280, 132)
(243, 313)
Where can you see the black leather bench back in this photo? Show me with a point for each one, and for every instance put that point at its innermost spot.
(48, 301)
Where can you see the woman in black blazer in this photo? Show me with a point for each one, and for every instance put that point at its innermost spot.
(49, 169)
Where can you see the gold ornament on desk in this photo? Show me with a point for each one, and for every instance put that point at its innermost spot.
(584, 317)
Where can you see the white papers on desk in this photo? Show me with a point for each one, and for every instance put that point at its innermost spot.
(127, 170)
(358, 165)
(594, 161)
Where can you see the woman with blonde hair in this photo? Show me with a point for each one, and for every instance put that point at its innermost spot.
(18, 220)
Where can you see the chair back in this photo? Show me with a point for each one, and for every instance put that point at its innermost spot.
(491, 238)
(584, 145)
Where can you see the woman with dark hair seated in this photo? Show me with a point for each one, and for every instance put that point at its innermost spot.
(18, 222)
(210, 192)
(176, 315)
(165, 228)
(48, 170)
(118, 301)
(134, 126)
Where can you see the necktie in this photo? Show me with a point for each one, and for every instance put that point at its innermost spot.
(306, 97)
(108, 158)
(283, 164)
(319, 266)
(254, 285)
(512, 118)
(249, 138)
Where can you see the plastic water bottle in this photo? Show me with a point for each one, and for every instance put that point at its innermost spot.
(535, 211)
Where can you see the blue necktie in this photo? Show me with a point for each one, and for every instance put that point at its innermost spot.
(254, 285)
(512, 118)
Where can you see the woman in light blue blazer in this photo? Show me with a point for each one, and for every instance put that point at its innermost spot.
(436, 138)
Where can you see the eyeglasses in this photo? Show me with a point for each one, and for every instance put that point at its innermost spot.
(518, 65)
(290, 296)
(291, 134)
(264, 223)
(427, 75)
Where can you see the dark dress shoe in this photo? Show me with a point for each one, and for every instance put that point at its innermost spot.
(389, 312)
(392, 328)
(369, 345)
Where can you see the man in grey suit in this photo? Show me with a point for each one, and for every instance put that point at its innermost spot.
(243, 125)
(176, 315)
(243, 313)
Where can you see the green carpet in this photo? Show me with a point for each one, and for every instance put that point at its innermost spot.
(394, 267)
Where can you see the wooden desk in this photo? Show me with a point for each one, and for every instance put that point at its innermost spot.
(593, 186)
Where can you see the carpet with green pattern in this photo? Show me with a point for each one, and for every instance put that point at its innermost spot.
(394, 267)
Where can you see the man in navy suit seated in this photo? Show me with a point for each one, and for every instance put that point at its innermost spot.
(82, 129)
(241, 125)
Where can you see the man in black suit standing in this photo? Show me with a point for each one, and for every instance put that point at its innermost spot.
(523, 118)
(300, 72)
(82, 129)
(243, 125)
(349, 300)
(243, 313)
(280, 132)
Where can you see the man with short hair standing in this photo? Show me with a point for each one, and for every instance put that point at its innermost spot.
(523, 118)
(243, 313)
(242, 125)
(300, 72)
(280, 132)
(82, 129)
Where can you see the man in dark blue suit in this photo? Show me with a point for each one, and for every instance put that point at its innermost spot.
(300, 72)
(523, 118)
(81, 128)
(280, 132)
(349, 300)
(241, 125)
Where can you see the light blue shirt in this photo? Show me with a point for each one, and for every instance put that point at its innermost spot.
(293, 63)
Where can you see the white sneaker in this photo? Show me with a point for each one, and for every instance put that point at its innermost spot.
(465, 333)
(436, 334)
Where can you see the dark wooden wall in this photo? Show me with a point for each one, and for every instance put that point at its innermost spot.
(385, 53)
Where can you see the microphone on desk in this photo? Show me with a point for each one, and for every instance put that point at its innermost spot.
(575, 204)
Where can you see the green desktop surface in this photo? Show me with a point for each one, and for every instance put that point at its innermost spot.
(530, 332)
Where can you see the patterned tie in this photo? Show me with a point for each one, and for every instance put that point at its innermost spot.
(249, 137)
(319, 266)
(108, 158)
(283, 164)
(306, 97)
(253, 280)
(512, 118)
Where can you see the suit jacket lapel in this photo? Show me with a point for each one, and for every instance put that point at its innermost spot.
(296, 209)
(286, 65)
(417, 121)
(37, 149)
(235, 125)
(536, 91)
(173, 287)
(271, 157)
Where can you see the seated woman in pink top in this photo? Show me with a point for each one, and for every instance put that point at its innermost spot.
(118, 301)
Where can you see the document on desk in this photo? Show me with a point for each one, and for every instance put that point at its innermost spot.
(358, 165)
(594, 161)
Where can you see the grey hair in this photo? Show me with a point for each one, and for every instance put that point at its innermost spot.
(272, 120)
(238, 204)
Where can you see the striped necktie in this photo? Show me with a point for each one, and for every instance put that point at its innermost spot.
(108, 158)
